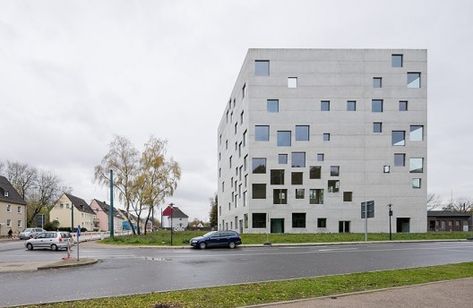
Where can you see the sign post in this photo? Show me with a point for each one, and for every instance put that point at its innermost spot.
(367, 211)
(78, 241)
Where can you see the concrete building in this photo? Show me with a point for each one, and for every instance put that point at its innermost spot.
(309, 134)
(12, 209)
(68, 205)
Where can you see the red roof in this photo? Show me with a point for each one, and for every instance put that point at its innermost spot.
(176, 212)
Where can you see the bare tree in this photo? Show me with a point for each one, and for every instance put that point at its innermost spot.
(2, 165)
(22, 177)
(433, 201)
(459, 205)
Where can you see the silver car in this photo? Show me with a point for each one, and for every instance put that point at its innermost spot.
(30, 233)
(52, 240)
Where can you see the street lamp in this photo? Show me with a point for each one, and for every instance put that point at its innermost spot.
(172, 210)
(390, 215)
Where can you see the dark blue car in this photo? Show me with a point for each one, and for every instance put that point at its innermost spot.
(217, 239)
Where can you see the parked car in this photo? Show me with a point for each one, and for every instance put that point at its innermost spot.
(217, 239)
(30, 233)
(52, 240)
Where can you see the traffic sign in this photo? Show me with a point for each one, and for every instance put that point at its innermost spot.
(370, 205)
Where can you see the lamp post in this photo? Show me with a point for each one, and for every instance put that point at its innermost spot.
(390, 215)
(172, 210)
(111, 206)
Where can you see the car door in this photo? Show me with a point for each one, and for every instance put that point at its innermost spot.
(213, 239)
(39, 241)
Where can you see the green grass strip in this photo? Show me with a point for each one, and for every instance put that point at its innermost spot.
(266, 292)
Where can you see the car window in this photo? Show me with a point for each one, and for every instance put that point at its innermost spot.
(41, 235)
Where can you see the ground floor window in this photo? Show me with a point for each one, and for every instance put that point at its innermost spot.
(298, 220)
(259, 220)
(344, 226)
(321, 222)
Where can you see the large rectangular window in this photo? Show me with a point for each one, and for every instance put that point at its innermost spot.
(262, 67)
(298, 220)
(351, 105)
(259, 165)
(333, 186)
(397, 60)
(315, 172)
(325, 105)
(316, 196)
(279, 196)
(297, 178)
(259, 191)
(377, 105)
(259, 220)
(284, 138)
(398, 137)
(417, 133)
(302, 132)
(272, 105)
(413, 80)
(262, 132)
(277, 177)
(416, 165)
(399, 159)
(298, 159)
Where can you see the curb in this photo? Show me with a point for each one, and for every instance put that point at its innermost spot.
(64, 264)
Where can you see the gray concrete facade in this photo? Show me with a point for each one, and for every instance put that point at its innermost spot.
(365, 158)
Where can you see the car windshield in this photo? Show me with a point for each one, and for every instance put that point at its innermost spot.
(210, 233)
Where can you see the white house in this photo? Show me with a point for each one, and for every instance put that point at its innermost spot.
(180, 221)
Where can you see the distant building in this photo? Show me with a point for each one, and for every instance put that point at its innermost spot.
(68, 205)
(180, 221)
(102, 211)
(12, 209)
(449, 221)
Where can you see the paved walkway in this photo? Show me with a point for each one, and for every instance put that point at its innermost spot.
(453, 293)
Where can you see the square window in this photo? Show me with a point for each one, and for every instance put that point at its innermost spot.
(334, 170)
(326, 136)
(416, 165)
(397, 60)
(300, 193)
(272, 105)
(259, 220)
(277, 177)
(296, 178)
(316, 196)
(262, 67)
(259, 191)
(416, 183)
(351, 105)
(315, 172)
(284, 138)
(413, 80)
(398, 137)
(333, 186)
(386, 169)
(282, 159)
(298, 159)
(347, 196)
(279, 196)
(302, 132)
(298, 220)
(377, 82)
(377, 127)
(399, 159)
(321, 222)
(262, 132)
(259, 165)
(320, 157)
(417, 133)
(292, 82)
(403, 106)
(377, 105)
(325, 105)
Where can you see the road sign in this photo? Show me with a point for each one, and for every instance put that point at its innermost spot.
(370, 205)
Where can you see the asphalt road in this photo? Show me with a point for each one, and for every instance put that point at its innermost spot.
(140, 270)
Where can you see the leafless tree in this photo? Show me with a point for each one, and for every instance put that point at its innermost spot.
(463, 205)
(22, 176)
(433, 201)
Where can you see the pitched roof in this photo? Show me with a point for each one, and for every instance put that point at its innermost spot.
(80, 204)
(8, 193)
(106, 208)
(176, 212)
(447, 214)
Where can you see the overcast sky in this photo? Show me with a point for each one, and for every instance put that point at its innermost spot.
(75, 73)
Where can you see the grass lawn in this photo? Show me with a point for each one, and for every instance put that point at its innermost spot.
(163, 237)
(265, 292)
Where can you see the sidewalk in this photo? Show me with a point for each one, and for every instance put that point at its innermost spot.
(452, 293)
(6, 267)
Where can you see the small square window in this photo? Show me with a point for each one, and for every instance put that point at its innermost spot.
(262, 67)
(262, 132)
(416, 183)
(296, 178)
(298, 220)
(302, 132)
(284, 138)
(277, 177)
(333, 186)
(386, 169)
(403, 105)
(351, 105)
(282, 159)
(259, 165)
(334, 170)
(321, 222)
(298, 159)
(325, 105)
(315, 172)
(416, 165)
(300, 193)
(316, 196)
(326, 136)
(416, 133)
(320, 156)
(377, 105)
(259, 191)
(399, 159)
(347, 196)
(377, 82)
(413, 80)
(272, 105)
(377, 127)
(279, 196)
(292, 82)
(398, 137)
(397, 60)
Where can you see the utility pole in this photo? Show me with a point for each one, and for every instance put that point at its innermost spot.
(72, 217)
(172, 210)
(390, 216)
(111, 206)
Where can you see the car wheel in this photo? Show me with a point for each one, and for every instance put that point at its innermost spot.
(202, 245)
(29, 246)
(54, 247)
(231, 245)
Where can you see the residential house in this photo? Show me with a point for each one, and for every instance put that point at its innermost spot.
(449, 221)
(102, 211)
(179, 221)
(69, 206)
(12, 209)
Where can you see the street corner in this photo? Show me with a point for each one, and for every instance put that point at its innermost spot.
(72, 262)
